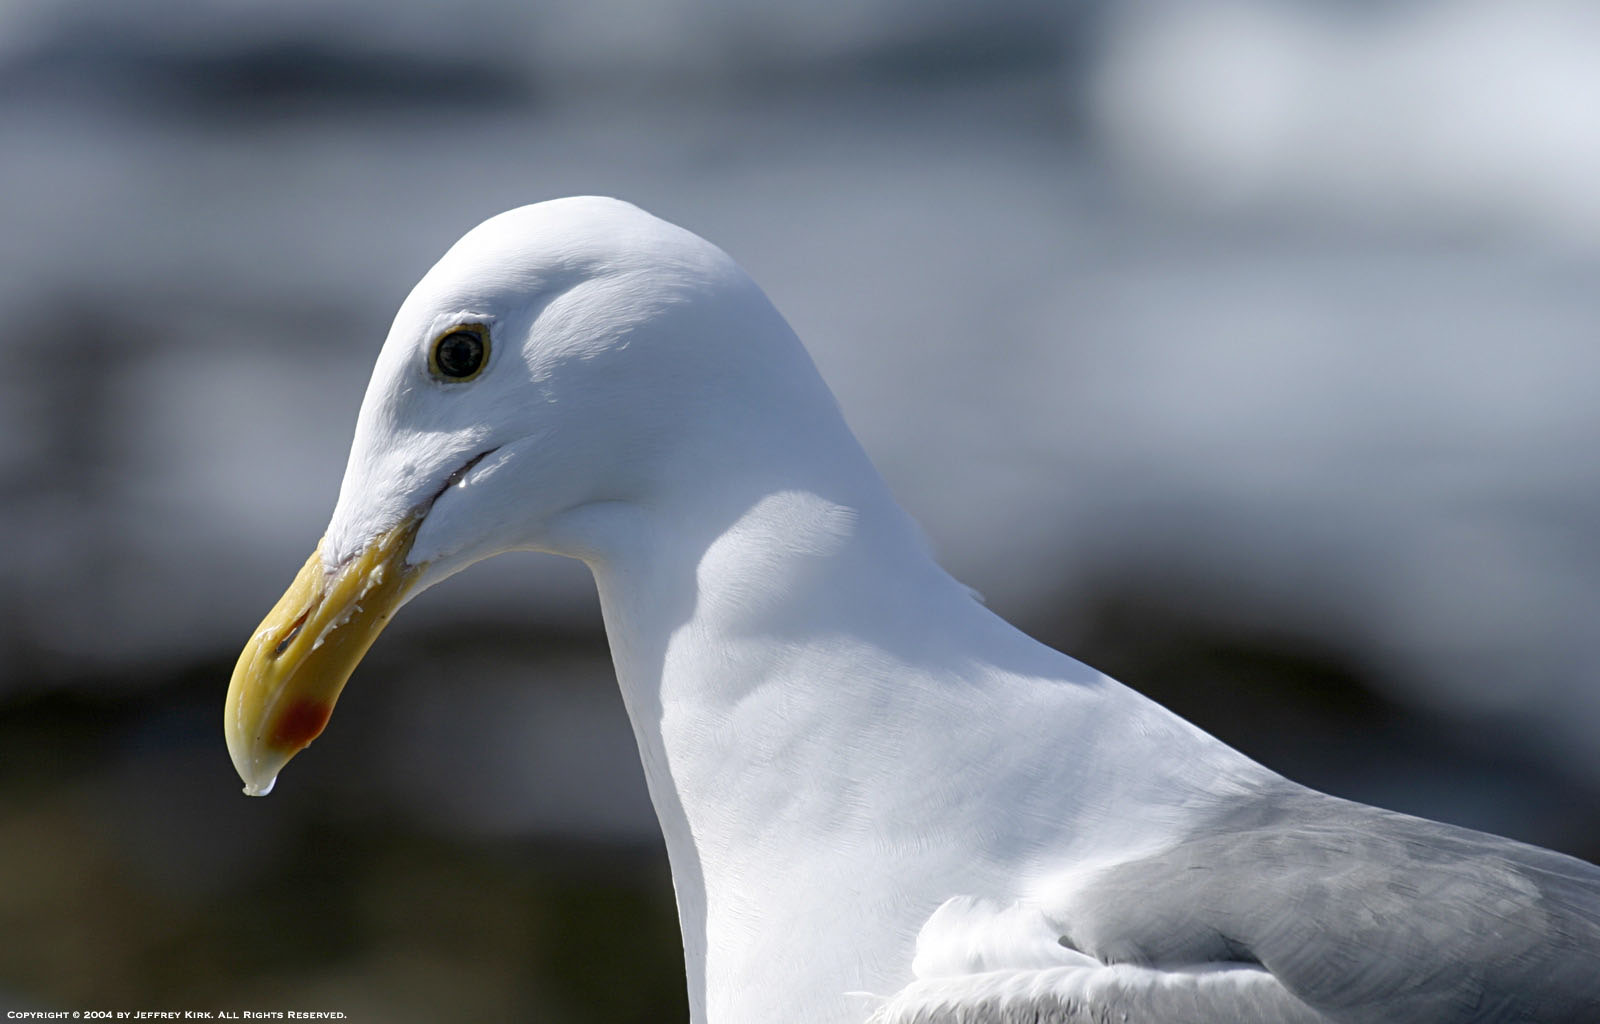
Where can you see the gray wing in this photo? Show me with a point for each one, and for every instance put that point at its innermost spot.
(1363, 914)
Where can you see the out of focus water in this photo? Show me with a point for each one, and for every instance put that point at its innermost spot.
(1243, 349)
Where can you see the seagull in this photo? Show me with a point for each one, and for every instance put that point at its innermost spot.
(881, 802)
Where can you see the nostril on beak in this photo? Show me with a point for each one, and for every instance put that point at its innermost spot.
(288, 638)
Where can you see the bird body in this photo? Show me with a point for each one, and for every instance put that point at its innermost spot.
(799, 793)
(880, 801)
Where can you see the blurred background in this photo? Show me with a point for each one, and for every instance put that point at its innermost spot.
(1245, 349)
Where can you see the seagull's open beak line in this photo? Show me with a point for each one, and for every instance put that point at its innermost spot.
(290, 674)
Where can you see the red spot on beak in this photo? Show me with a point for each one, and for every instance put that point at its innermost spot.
(300, 724)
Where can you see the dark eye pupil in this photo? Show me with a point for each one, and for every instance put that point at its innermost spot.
(459, 354)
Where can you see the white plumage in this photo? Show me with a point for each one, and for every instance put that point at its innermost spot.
(880, 800)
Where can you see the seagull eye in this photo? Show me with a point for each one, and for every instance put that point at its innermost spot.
(459, 353)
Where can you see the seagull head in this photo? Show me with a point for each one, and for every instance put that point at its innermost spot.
(561, 360)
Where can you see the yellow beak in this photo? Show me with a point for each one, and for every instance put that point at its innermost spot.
(290, 674)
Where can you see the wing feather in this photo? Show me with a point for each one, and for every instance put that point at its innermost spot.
(1125, 994)
(1297, 907)
(1364, 914)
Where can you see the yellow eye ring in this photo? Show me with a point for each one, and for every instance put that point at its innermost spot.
(459, 354)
